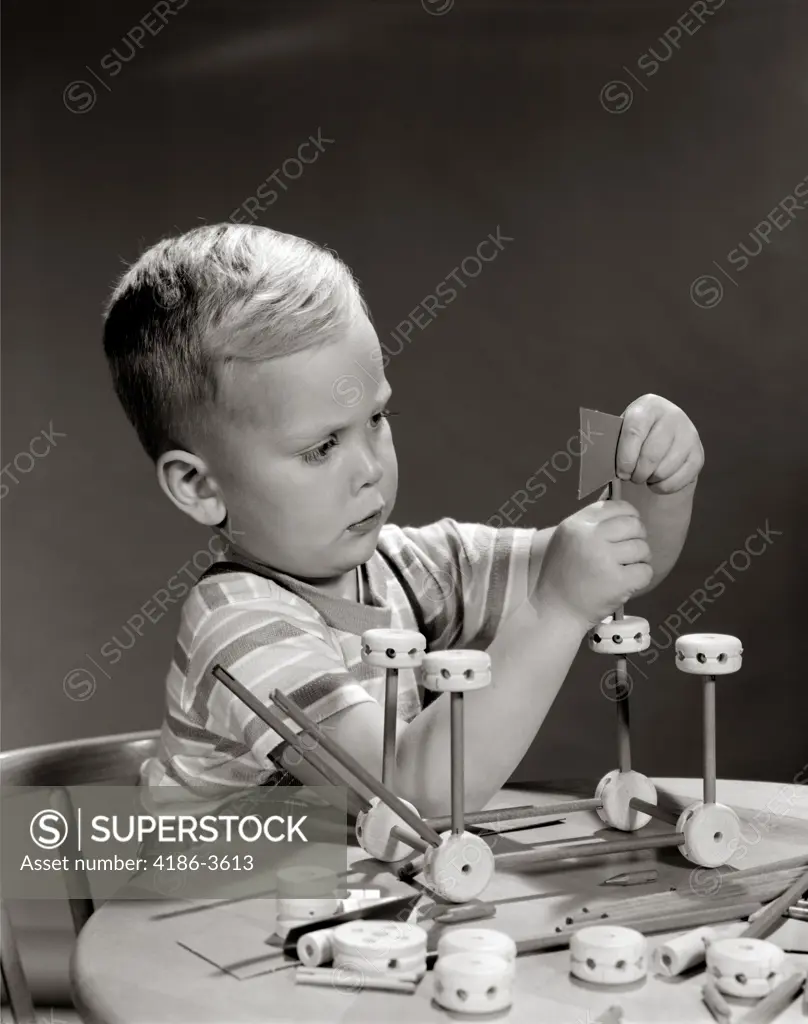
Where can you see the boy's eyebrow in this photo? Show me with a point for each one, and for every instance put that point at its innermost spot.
(314, 435)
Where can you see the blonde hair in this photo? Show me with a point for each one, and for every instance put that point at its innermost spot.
(193, 305)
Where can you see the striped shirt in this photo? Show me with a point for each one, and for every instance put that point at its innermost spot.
(453, 582)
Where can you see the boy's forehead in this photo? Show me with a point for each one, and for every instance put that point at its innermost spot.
(298, 394)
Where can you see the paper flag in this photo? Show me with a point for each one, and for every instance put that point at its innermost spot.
(600, 433)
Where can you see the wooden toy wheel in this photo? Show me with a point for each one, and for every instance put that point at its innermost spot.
(478, 940)
(628, 635)
(749, 968)
(608, 955)
(708, 654)
(456, 671)
(393, 648)
(460, 868)
(475, 984)
(391, 947)
(712, 833)
(373, 828)
(616, 790)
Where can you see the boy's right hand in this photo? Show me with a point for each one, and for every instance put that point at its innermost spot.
(596, 559)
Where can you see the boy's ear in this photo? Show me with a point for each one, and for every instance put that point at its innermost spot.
(187, 482)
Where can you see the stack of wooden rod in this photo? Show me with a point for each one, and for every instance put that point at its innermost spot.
(738, 889)
(781, 883)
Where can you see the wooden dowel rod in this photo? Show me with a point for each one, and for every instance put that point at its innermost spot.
(16, 983)
(350, 763)
(600, 848)
(754, 888)
(331, 775)
(775, 885)
(667, 900)
(621, 703)
(709, 740)
(456, 741)
(654, 810)
(757, 888)
(787, 864)
(646, 925)
(760, 892)
(771, 1006)
(483, 817)
(390, 716)
(516, 813)
(409, 837)
(622, 690)
(344, 978)
(409, 977)
(777, 908)
(674, 902)
(751, 884)
(789, 868)
(615, 494)
(758, 913)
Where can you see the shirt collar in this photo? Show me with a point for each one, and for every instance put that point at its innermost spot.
(337, 612)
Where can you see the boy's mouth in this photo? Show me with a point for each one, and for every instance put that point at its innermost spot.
(368, 522)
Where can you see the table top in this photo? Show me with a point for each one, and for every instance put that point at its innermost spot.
(129, 968)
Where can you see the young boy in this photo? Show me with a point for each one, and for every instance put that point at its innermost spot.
(247, 363)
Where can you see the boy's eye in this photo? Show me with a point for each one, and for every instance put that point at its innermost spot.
(383, 415)
(320, 454)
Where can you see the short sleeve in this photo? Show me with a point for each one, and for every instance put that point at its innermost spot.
(264, 652)
(474, 576)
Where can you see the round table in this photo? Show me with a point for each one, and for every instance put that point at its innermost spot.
(129, 968)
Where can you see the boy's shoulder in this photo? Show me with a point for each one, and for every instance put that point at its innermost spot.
(410, 548)
(238, 595)
(394, 537)
(441, 540)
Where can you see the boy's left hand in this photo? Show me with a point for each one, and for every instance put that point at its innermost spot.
(658, 446)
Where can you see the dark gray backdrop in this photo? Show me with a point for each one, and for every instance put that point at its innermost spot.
(447, 120)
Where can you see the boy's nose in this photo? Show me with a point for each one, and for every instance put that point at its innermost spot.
(370, 466)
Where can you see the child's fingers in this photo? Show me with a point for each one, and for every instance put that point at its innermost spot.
(637, 425)
(687, 472)
(654, 450)
(630, 552)
(678, 454)
(624, 528)
(638, 575)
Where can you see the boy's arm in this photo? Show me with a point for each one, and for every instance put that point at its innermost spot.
(531, 655)
(530, 658)
(538, 547)
(534, 646)
(598, 554)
